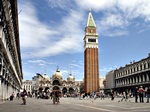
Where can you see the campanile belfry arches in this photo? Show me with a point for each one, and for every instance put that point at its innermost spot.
(91, 64)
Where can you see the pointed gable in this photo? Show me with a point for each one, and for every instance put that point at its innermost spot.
(90, 22)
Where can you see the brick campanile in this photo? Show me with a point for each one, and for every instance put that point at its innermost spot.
(91, 64)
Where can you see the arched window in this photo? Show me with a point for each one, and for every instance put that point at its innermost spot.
(133, 69)
(148, 64)
(137, 68)
(128, 71)
(141, 67)
(3, 70)
(144, 66)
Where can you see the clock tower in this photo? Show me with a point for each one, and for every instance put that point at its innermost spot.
(91, 64)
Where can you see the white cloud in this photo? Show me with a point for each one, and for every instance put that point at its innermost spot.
(32, 31)
(40, 62)
(107, 69)
(131, 8)
(64, 72)
(75, 66)
(144, 30)
(135, 8)
(112, 33)
(113, 25)
(118, 14)
(114, 20)
(64, 45)
(36, 36)
(96, 4)
(63, 4)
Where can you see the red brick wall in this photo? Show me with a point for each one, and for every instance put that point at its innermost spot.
(91, 70)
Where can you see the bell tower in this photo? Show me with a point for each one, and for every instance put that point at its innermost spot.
(91, 64)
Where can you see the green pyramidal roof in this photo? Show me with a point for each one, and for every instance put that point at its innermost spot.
(90, 21)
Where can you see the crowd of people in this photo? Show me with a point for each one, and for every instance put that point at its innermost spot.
(141, 93)
(55, 95)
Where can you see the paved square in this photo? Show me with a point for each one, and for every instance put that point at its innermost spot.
(74, 105)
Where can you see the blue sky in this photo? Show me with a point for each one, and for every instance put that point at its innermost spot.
(52, 32)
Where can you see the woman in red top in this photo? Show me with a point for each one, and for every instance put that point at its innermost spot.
(141, 94)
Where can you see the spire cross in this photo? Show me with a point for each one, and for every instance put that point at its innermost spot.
(57, 68)
(90, 10)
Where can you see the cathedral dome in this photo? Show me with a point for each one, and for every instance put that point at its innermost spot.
(70, 77)
(45, 77)
(57, 74)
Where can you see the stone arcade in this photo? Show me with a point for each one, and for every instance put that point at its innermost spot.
(11, 75)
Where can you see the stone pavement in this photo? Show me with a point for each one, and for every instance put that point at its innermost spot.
(74, 105)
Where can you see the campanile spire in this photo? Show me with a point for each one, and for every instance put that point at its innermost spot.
(90, 22)
(91, 64)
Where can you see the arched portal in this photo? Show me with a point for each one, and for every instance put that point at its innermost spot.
(40, 89)
(46, 89)
(71, 90)
(56, 82)
(64, 90)
(56, 88)
(76, 90)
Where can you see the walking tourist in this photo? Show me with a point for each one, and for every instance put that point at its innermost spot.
(18, 95)
(123, 97)
(102, 95)
(57, 96)
(148, 94)
(112, 95)
(12, 96)
(141, 94)
(53, 97)
(95, 96)
(24, 96)
(136, 94)
(126, 95)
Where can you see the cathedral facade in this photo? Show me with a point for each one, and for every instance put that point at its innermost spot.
(56, 82)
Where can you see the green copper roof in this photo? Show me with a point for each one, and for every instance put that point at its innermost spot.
(90, 21)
